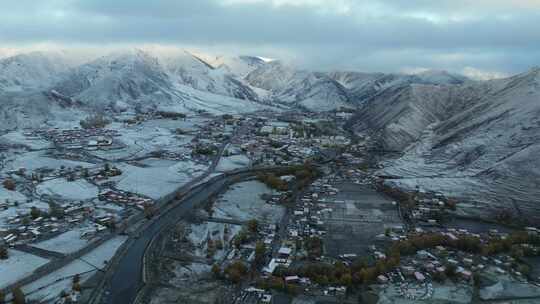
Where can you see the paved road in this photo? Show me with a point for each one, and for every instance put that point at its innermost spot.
(126, 280)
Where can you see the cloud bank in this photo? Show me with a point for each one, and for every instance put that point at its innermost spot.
(482, 37)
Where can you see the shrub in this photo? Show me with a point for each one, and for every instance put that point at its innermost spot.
(56, 211)
(149, 211)
(253, 226)
(172, 115)
(4, 255)
(236, 271)
(9, 184)
(76, 287)
(314, 247)
(216, 271)
(273, 181)
(35, 213)
(18, 296)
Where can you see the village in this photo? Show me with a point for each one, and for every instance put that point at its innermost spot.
(69, 193)
(344, 237)
(320, 228)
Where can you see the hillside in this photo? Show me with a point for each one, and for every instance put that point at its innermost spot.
(31, 70)
(477, 141)
(188, 69)
(311, 90)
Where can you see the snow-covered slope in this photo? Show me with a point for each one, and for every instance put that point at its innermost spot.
(31, 70)
(34, 109)
(477, 141)
(399, 114)
(238, 65)
(126, 78)
(137, 79)
(321, 91)
(315, 91)
(362, 86)
(190, 70)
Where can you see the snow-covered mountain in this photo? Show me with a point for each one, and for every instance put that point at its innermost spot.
(190, 70)
(238, 65)
(478, 141)
(155, 76)
(38, 87)
(31, 70)
(128, 77)
(137, 79)
(320, 91)
(312, 90)
(362, 86)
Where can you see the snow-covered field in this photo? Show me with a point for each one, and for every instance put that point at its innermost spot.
(49, 287)
(158, 180)
(18, 266)
(150, 136)
(75, 190)
(12, 196)
(36, 159)
(105, 252)
(67, 242)
(17, 137)
(232, 162)
(243, 202)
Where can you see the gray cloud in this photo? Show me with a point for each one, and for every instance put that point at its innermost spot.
(366, 35)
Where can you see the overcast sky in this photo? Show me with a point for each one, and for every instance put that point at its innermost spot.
(482, 37)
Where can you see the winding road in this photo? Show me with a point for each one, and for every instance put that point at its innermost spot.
(126, 281)
(123, 278)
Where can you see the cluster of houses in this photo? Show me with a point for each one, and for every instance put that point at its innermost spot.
(432, 264)
(274, 142)
(77, 138)
(430, 210)
(125, 198)
(25, 228)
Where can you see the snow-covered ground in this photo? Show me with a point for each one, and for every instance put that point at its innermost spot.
(50, 286)
(36, 159)
(150, 136)
(232, 162)
(478, 142)
(12, 196)
(67, 242)
(160, 179)
(192, 271)
(17, 137)
(243, 202)
(105, 252)
(75, 190)
(18, 266)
